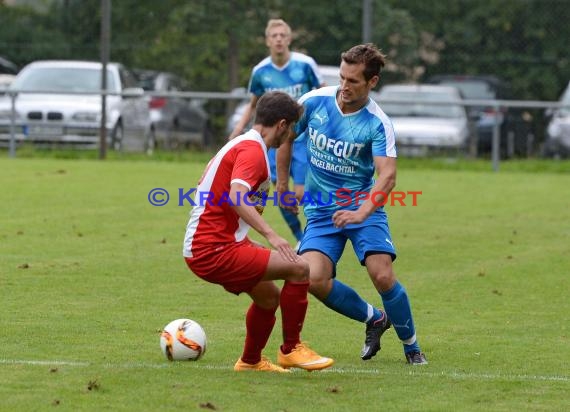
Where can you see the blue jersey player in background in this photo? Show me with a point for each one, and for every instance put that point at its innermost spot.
(295, 74)
(349, 139)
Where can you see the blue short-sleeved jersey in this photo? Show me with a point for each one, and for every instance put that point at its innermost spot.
(297, 77)
(340, 149)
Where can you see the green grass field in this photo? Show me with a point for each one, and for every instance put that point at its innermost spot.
(90, 272)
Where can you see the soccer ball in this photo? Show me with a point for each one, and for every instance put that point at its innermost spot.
(183, 339)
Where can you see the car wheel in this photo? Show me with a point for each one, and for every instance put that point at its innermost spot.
(117, 137)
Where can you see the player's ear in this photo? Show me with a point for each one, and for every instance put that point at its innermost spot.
(373, 81)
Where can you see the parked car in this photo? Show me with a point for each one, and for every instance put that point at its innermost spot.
(5, 82)
(422, 121)
(330, 75)
(513, 122)
(178, 121)
(557, 143)
(47, 113)
(8, 71)
(7, 67)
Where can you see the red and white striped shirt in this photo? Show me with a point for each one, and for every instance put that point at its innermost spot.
(214, 223)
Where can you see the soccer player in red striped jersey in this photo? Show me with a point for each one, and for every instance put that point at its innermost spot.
(217, 249)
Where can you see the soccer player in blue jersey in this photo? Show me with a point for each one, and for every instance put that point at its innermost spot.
(349, 138)
(291, 72)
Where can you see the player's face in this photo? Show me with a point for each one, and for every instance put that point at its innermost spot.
(354, 88)
(278, 40)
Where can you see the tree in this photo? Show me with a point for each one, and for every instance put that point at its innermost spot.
(523, 42)
(28, 35)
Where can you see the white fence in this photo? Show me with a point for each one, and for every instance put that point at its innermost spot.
(497, 105)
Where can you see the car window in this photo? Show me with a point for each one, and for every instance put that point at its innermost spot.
(413, 109)
(65, 79)
(147, 83)
(173, 84)
(127, 79)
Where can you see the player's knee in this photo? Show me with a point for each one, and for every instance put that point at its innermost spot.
(300, 272)
(384, 280)
(319, 287)
(272, 301)
(269, 301)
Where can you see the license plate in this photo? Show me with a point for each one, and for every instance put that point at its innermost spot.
(38, 131)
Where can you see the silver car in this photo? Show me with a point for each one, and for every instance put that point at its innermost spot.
(557, 142)
(178, 120)
(55, 106)
(5, 81)
(423, 120)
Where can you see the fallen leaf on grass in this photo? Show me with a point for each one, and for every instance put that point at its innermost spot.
(93, 385)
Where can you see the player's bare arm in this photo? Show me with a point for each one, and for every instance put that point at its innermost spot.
(386, 170)
(250, 216)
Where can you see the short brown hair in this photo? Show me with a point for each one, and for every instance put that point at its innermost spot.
(274, 106)
(367, 54)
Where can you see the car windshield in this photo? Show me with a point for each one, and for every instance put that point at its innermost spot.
(473, 90)
(64, 79)
(147, 82)
(413, 109)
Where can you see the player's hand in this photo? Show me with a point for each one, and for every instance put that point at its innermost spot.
(341, 218)
(287, 200)
(283, 247)
(281, 187)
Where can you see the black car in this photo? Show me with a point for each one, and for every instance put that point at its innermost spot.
(514, 124)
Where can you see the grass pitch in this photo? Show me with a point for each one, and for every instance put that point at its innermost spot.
(90, 272)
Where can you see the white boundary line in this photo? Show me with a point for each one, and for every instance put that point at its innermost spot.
(415, 372)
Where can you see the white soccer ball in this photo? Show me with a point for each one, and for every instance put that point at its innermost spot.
(183, 339)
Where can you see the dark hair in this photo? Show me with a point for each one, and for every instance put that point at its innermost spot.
(367, 54)
(274, 106)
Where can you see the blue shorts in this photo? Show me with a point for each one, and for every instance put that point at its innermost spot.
(367, 238)
(298, 163)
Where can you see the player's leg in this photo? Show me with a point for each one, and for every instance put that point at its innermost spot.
(373, 246)
(298, 171)
(293, 298)
(322, 246)
(259, 322)
(293, 301)
(290, 218)
(396, 303)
